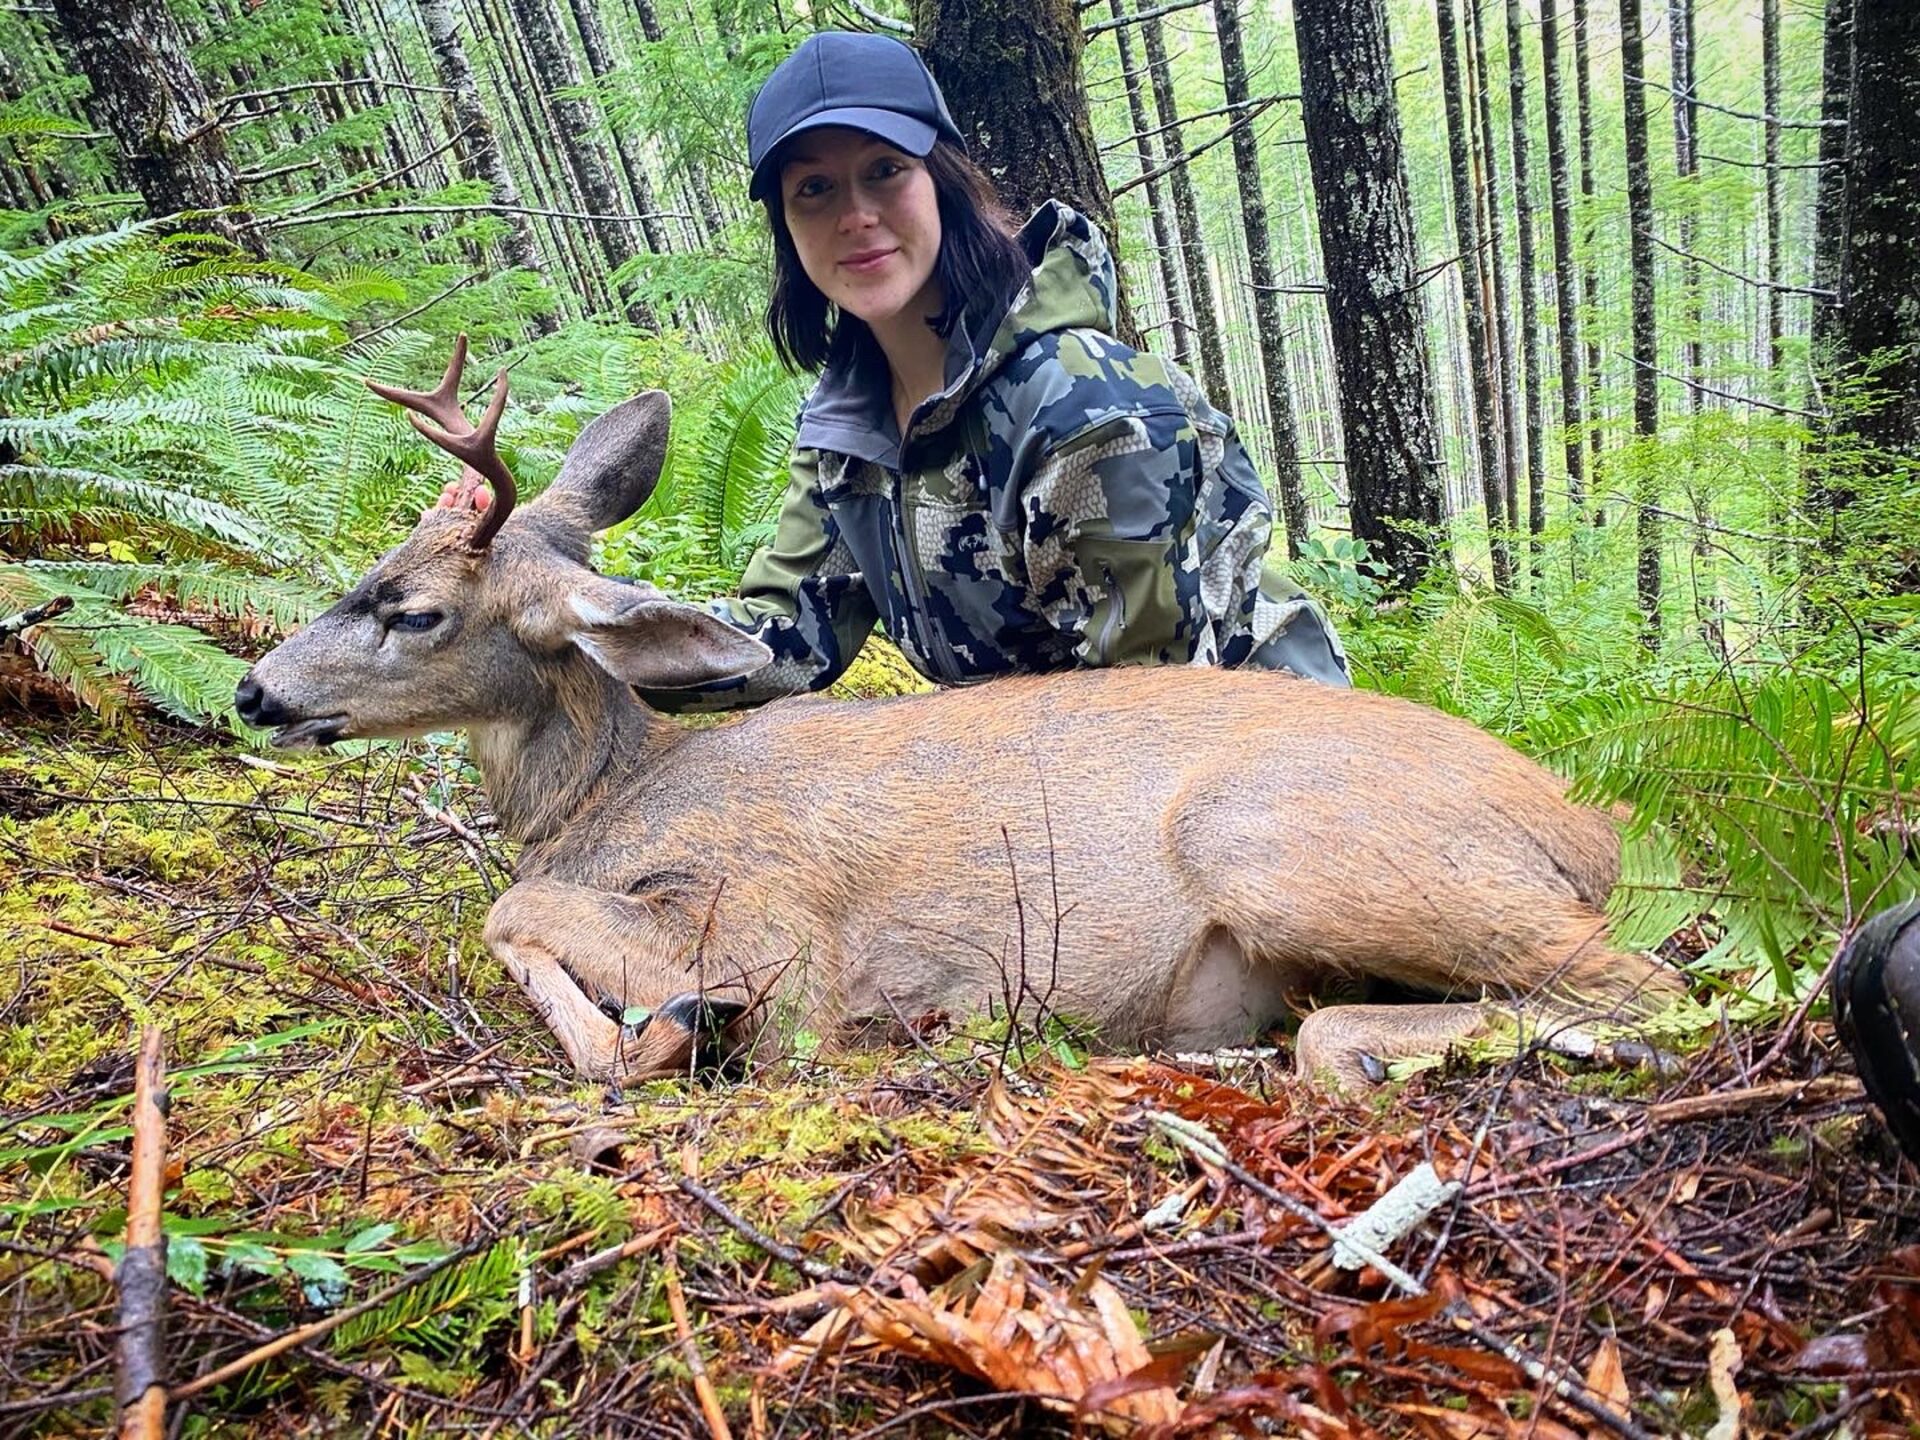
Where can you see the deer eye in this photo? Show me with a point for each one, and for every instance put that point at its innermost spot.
(416, 620)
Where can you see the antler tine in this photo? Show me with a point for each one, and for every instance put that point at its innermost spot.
(476, 449)
(441, 404)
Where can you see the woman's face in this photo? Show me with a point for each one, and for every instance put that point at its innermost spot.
(865, 221)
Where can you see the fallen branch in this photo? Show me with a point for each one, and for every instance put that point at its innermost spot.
(142, 1386)
(690, 1351)
(1757, 1097)
(753, 1236)
(35, 615)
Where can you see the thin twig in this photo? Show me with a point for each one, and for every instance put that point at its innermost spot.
(778, 1249)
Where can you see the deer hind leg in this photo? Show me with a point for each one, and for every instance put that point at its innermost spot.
(1350, 1046)
(583, 957)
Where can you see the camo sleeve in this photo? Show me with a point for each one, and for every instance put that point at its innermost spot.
(802, 596)
(1111, 546)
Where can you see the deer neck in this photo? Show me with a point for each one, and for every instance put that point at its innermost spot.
(548, 764)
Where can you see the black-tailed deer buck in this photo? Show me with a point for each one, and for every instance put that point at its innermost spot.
(1171, 855)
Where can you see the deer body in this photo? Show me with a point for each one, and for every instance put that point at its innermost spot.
(1172, 855)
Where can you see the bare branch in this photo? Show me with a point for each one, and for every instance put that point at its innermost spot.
(1138, 135)
(291, 221)
(1722, 394)
(1779, 165)
(1100, 26)
(1181, 159)
(1741, 114)
(874, 17)
(1736, 275)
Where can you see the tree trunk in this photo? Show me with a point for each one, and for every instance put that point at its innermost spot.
(1466, 224)
(1193, 250)
(704, 206)
(1496, 233)
(1646, 353)
(1572, 425)
(1529, 283)
(1830, 212)
(593, 44)
(1686, 165)
(149, 95)
(1880, 276)
(1373, 300)
(1770, 106)
(1179, 315)
(1011, 74)
(555, 70)
(1589, 271)
(479, 152)
(1266, 297)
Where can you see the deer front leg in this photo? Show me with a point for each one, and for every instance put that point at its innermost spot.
(587, 957)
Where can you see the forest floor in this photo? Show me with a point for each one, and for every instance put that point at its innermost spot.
(374, 1143)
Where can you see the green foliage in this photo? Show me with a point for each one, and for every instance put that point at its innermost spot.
(719, 494)
(445, 1312)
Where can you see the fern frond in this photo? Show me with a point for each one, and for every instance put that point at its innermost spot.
(424, 1312)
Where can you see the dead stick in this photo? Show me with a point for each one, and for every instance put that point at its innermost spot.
(696, 1366)
(142, 1388)
(1738, 1102)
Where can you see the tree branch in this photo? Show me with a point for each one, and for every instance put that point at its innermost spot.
(1196, 152)
(1736, 275)
(1138, 135)
(292, 221)
(1100, 26)
(1722, 394)
(142, 1274)
(874, 17)
(1741, 114)
(1778, 165)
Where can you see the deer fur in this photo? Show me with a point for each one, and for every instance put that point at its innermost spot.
(1175, 856)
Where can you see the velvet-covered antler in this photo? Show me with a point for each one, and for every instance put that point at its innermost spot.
(474, 446)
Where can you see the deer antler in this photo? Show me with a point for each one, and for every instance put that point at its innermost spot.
(472, 445)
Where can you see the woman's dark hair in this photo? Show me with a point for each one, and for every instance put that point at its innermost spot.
(980, 268)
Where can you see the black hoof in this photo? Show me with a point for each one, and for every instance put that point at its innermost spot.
(1374, 1068)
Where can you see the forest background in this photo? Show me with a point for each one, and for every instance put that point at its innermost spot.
(1628, 478)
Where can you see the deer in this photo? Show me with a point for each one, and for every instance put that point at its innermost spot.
(1173, 856)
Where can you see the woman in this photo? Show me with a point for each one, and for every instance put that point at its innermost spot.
(982, 468)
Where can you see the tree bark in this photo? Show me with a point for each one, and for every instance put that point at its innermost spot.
(1646, 353)
(1179, 315)
(1466, 225)
(1770, 106)
(1589, 271)
(1366, 237)
(593, 44)
(1481, 86)
(1193, 250)
(576, 124)
(1686, 165)
(1880, 277)
(1567, 331)
(479, 153)
(711, 216)
(1529, 283)
(150, 97)
(1269, 318)
(1011, 73)
(1830, 209)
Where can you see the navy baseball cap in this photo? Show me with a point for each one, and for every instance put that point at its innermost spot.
(841, 77)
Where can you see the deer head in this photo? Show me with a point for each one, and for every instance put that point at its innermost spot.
(498, 623)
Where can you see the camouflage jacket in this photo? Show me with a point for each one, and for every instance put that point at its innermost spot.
(1066, 500)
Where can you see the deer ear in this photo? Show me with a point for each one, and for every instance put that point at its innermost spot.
(614, 463)
(638, 635)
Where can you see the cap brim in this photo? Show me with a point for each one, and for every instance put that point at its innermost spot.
(910, 136)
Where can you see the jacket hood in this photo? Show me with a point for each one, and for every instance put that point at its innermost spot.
(850, 411)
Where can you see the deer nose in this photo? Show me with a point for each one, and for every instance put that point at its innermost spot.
(255, 706)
